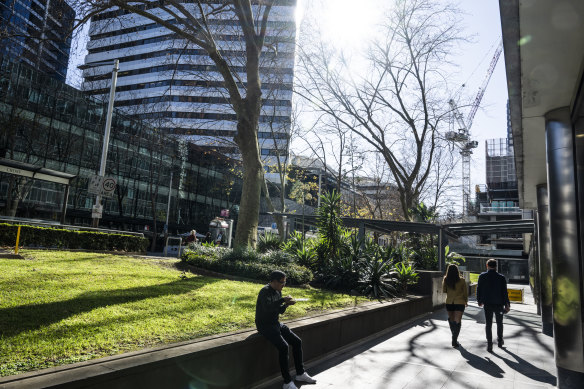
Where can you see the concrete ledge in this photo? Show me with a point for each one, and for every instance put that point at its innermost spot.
(235, 360)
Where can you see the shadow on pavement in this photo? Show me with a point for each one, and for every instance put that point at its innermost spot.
(485, 365)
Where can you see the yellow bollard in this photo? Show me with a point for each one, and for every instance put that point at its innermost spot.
(17, 239)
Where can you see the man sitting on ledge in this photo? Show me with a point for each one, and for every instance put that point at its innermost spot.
(269, 306)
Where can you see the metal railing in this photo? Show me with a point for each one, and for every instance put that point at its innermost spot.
(514, 210)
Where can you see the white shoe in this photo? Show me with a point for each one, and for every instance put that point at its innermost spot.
(290, 385)
(304, 377)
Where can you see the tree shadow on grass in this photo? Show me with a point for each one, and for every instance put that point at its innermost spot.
(15, 320)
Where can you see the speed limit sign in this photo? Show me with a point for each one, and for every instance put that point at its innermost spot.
(102, 186)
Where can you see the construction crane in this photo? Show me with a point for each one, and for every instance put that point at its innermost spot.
(462, 138)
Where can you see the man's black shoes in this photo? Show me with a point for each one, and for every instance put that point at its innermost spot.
(500, 343)
(490, 347)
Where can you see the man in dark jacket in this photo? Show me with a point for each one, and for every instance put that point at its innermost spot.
(269, 306)
(492, 294)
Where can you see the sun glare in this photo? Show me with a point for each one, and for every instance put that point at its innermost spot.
(347, 23)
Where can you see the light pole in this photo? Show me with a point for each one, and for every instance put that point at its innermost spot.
(98, 208)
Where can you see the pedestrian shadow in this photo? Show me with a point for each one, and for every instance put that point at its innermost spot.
(485, 365)
(529, 370)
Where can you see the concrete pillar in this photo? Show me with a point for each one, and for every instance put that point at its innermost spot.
(545, 260)
(567, 263)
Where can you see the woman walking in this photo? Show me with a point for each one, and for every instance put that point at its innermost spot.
(456, 300)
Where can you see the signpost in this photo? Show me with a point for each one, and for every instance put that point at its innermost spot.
(102, 186)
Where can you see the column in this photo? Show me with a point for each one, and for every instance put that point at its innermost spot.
(565, 250)
(545, 260)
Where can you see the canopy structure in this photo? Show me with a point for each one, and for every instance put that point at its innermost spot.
(39, 173)
(525, 226)
(452, 231)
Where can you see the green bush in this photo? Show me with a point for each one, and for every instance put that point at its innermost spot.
(47, 237)
(277, 258)
(269, 242)
(241, 254)
(406, 275)
(295, 274)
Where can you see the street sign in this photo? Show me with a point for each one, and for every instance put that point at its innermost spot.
(102, 186)
(96, 211)
(515, 295)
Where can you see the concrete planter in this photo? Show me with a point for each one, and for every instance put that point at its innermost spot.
(234, 360)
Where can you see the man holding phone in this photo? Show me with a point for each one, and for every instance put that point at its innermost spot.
(270, 304)
(492, 294)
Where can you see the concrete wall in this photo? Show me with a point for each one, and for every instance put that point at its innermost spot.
(236, 360)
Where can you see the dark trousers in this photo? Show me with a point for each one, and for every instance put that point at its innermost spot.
(498, 311)
(281, 336)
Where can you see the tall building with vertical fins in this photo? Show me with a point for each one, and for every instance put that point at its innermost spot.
(37, 33)
(174, 86)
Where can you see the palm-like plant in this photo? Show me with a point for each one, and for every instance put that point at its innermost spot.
(268, 241)
(375, 279)
(406, 275)
(330, 229)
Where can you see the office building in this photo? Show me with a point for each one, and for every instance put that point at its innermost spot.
(38, 33)
(176, 88)
(49, 124)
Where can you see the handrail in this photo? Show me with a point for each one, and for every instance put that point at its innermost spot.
(53, 224)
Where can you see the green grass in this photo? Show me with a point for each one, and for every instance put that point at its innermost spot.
(474, 277)
(61, 307)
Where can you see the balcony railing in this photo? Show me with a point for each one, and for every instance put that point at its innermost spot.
(509, 210)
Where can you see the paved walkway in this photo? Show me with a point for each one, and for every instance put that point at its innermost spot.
(419, 355)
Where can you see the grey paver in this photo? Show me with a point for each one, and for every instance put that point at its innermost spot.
(419, 356)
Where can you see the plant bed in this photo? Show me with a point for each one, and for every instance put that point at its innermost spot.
(61, 307)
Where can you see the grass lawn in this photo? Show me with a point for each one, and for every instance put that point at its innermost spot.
(61, 307)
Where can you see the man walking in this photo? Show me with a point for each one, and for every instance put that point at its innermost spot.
(492, 294)
(270, 304)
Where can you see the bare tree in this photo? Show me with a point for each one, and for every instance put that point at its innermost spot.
(399, 102)
(189, 22)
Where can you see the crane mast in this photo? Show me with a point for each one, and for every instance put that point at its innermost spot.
(462, 138)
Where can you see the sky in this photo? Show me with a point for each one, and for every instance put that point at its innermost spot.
(347, 24)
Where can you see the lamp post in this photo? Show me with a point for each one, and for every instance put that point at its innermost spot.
(98, 208)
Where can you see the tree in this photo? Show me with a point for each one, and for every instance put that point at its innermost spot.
(189, 22)
(399, 104)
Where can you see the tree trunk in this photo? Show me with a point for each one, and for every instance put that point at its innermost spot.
(271, 208)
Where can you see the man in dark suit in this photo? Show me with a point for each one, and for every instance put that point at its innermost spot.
(492, 294)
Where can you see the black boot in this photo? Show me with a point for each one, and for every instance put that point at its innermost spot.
(455, 332)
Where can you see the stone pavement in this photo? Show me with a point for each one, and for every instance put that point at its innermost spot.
(419, 355)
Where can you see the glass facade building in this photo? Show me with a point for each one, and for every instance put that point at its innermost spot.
(173, 84)
(49, 124)
(38, 33)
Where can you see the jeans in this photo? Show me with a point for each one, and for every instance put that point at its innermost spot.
(498, 311)
(281, 336)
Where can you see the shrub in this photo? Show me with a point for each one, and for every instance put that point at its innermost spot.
(269, 242)
(277, 258)
(242, 255)
(294, 242)
(295, 274)
(46, 237)
(406, 275)
(375, 279)
(206, 250)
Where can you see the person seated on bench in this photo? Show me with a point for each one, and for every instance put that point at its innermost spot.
(270, 304)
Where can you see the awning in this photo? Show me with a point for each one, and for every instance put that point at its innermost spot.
(35, 172)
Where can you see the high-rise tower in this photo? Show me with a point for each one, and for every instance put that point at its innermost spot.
(38, 33)
(175, 86)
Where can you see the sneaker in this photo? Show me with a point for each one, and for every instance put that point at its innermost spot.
(290, 385)
(304, 377)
